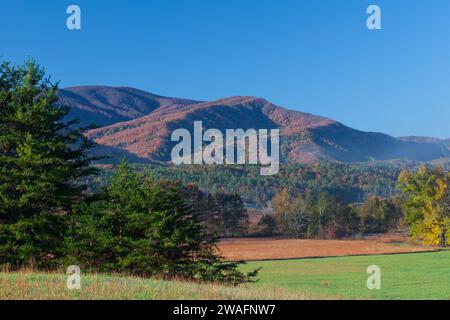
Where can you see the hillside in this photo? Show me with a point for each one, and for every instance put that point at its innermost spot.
(108, 105)
(140, 124)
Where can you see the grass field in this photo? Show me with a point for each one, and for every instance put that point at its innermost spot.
(41, 286)
(423, 275)
(403, 276)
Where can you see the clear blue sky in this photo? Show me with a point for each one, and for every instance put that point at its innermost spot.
(315, 56)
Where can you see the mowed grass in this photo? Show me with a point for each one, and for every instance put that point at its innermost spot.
(29, 285)
(403, 276)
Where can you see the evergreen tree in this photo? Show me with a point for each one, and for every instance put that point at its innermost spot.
(41, 160)
(147, 229)
(204, 206)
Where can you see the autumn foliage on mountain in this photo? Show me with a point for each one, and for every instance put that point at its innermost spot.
(135, 123)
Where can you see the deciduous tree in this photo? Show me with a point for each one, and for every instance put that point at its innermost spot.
(426, 198)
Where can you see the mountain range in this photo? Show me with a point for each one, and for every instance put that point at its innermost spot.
(136, 124)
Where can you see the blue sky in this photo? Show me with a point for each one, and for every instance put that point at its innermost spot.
(315, 56)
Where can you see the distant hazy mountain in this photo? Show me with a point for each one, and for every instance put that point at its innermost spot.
(141, 123)
(422, 139)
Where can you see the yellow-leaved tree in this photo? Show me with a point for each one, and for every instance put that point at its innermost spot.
(426, 200)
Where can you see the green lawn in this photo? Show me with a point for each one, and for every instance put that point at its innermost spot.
(403, 276)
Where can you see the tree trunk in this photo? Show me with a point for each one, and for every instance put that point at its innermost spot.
(444, 238)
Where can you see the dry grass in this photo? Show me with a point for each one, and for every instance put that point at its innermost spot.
(28, 285)
(272, 249)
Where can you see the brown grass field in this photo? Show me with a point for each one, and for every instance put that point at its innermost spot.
(32, 285)
(273, 249)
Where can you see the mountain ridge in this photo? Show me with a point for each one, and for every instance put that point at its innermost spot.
(140, 123)
(104, 105)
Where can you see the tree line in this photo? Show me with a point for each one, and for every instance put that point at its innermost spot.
(352, 182)
(327, 217)
(421, 208)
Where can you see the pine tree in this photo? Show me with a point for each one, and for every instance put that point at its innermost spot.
(147, 228)
(41, 161)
